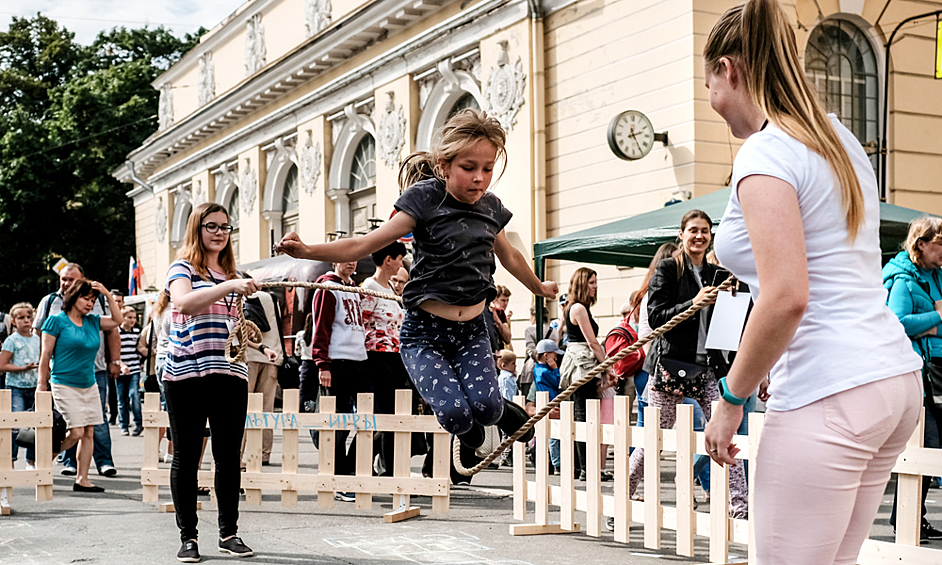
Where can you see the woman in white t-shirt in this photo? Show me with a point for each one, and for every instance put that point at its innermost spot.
(802, 230)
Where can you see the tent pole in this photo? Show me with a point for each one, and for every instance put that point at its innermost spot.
(540, 270)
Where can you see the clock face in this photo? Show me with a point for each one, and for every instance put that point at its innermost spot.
(631, 135)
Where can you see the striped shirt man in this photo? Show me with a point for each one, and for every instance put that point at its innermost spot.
(129, 354)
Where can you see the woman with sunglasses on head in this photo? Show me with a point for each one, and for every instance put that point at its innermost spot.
(802, 230)
(199, 384)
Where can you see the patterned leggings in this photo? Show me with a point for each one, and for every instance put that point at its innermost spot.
(738, 491)
(453, 369)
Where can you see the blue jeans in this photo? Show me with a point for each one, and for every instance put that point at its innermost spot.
(23, 400)
(129, 399)
(554, 452)
(102, 451)
(701, 463)
(452, 366)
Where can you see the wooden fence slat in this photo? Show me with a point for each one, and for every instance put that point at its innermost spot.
(291, 404)
(151, 444)
(686, 443)
(325, 451)
(719, 510)
(6, 454)
(364, 450)
(622, 456)
(593, 470)
(567, 483)
(909, 499)
(44, 455)
(441, 468)
(519, 473)
(541, 511)
(253, 450)
(652, 477)
(402, 462)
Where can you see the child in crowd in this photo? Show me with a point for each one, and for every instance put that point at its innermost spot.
(546, 378)
(507, 379)
(19, 359)
(128, 381)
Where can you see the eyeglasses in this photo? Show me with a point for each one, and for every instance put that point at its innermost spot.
(213, 227)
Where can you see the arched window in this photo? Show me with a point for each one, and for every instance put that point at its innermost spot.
(363, 185)
(840, 61)
(289, 202)
(233, 208)
(466, 101)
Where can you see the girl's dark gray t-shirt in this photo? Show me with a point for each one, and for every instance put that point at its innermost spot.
(453, 247)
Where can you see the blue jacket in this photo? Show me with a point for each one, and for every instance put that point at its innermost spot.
(546, 379)
(910, 297)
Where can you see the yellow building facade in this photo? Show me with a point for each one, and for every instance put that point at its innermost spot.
(295, 114)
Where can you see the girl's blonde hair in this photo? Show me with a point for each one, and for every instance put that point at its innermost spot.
(460, 132)
(192, 250)
(21, 306)
(578, 290)
(927, 229)
(162, 302)
(756, 35)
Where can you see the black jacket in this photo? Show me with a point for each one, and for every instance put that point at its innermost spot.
(668, 296)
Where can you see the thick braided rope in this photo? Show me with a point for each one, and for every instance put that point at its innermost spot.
(243, 333)
(710, 298)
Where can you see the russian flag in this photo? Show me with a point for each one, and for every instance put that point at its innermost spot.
(135, 274)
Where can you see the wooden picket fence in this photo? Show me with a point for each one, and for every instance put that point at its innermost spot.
(41, 476)
(289, 482)
(682, 518)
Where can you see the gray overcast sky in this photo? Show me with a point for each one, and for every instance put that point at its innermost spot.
(88, 17)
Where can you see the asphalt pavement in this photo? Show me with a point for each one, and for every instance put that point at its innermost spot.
(117, 527)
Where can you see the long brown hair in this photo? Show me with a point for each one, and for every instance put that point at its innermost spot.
(663, 252)
(680, 253)
(578, 290)
(460, 132)
(193, 251)
(757, 36)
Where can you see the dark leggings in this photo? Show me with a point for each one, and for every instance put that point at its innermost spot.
(452, 366)
(222, 400)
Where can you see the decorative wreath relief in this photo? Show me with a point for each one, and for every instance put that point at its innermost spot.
(161, 221)
(392, 132)
(309, 157)
(504, 90)
(247, 187)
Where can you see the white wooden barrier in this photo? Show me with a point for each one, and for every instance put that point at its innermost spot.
(41, 476)
(682, 518)
(325, 483)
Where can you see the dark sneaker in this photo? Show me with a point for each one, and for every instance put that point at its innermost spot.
(610, 523)
(929, 532)
(189, 552)
(513, 418)
(234, 546)
(474, 437)
(137, 432)
(345, 496)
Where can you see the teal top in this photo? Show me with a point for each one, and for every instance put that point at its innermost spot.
(25, 350)
(75, 350)
(913, 292)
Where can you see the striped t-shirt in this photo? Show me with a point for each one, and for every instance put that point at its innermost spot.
(129, 354)
(198, 343)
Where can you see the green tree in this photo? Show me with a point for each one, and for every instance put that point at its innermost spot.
(69, 114)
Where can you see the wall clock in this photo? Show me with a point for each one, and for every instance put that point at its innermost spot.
(631, 135)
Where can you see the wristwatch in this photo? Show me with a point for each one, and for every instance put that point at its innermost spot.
(116, 362)
(728, 396)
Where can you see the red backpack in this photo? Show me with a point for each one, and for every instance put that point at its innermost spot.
(620, 337)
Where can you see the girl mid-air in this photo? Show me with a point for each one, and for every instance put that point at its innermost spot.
(458, 228)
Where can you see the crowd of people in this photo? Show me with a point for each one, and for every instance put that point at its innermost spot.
(844, 364)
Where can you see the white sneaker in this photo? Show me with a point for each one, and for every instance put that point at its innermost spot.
(168, 457)
(30, 467)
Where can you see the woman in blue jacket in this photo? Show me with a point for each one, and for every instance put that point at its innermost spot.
(915, 296)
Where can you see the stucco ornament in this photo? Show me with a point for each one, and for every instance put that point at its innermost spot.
(309, 157)
(165, 106)
(206, 78)
(254, 44)
(248, 186)
(392, 132)
(199, 195)
(505, 87)
(317, 16)
(160, 223)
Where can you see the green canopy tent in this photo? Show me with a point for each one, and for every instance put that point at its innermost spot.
(632, 242)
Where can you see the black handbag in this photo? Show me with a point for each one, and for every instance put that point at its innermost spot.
(682, 370)
(932, 382)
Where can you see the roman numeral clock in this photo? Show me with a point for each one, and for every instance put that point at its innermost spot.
(631, 135)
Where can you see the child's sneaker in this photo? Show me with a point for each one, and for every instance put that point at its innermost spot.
(513, 418)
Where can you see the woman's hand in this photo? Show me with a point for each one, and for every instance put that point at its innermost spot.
(292, 245)
(703, 292)
(764, 390)
(272, 355)
(42, 385)
(97, 286)
(245, 287)
(718, 435)
(125, 370)
(324, 377)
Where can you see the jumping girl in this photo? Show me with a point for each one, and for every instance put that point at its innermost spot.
(458, 227)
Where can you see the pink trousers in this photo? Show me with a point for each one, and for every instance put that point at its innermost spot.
(821, 471)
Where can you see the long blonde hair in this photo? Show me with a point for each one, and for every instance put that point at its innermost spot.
(460, 132)
(758, 37)
(192, 250)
